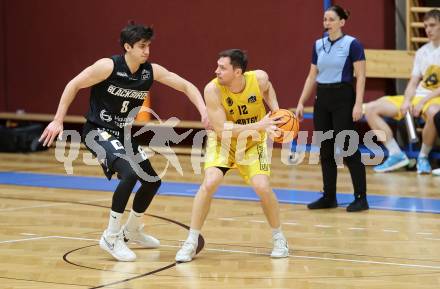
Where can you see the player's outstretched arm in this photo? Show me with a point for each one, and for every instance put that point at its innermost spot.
(92, 75)
(173, 80)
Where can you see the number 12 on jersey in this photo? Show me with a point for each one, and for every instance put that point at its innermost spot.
(242, 109)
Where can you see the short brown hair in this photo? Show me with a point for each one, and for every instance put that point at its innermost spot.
(434, 13)
(238, 58)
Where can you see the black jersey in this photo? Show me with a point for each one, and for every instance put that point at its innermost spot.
(112, 100)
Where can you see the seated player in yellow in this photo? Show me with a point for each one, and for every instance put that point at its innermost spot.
(421, 98)
(236, 110)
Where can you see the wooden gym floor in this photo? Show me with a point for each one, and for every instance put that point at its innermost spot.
(49, 233)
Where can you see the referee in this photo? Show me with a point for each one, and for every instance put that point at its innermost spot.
(337, 105)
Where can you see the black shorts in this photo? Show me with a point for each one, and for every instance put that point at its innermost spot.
(109, 145)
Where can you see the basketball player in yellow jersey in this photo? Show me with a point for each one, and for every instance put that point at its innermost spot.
(236, 110)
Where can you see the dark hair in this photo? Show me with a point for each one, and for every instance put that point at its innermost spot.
(434, 13)
(238, 58)
(341, 12)
(133, 33)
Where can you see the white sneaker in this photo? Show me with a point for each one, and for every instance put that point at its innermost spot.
(115, 245)
(187, 252)
(436, 172)
(140, 237)
(280, 247)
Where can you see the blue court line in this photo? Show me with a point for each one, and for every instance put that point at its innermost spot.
(395, 203)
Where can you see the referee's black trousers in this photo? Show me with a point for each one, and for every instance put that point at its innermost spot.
(333, 111)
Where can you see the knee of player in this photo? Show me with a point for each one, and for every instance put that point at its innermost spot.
(371, 109)
(209, 187)
(431, 112)
(153, 181)
(128, 175)
(210, 184)
(157, 183)
(262, 189)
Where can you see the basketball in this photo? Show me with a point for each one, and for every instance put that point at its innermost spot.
(289, 125)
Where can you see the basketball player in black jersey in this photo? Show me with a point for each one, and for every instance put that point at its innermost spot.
(119, 85)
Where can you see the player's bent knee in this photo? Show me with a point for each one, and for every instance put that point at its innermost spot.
(128, 175)
(262, 187)
(373, 109)
(369, 108)
(210, 184)
(156, 185)
(431, 112)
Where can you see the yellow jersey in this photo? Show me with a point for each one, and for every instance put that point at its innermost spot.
(246, 106)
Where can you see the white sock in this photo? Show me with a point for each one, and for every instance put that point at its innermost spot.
(392, 147)
(276, 231)
(193, 236)
(134, 221)
(424, 151)
(114, 222)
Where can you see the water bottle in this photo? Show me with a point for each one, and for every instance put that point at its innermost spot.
(411, 128)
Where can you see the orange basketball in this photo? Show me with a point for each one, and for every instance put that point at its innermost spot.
(289, 125)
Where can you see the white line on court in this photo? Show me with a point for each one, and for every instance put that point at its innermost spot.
(226, 219)
(323, 258)
(49, 205)
(32, 207)
(356, 229)
(253, 253)
(390, 231)
(26, 239)
(323, 226)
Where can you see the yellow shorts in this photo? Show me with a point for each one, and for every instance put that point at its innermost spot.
(399, 99)
(250, 161)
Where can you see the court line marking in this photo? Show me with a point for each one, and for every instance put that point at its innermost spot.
(26, 239)
(251, 253)
(325, 226)
(32, 207)
(49, 205)
(322, 226)
(290, 223)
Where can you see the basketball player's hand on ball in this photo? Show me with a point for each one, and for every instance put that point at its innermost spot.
(273, 131)
(269, 124)
(49, 134)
